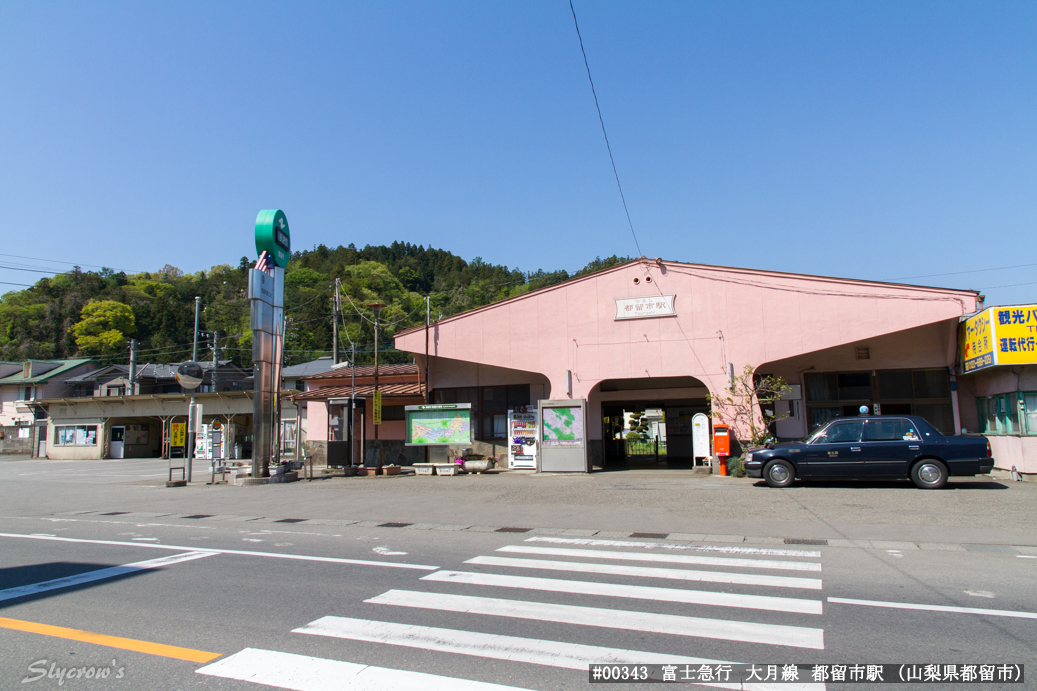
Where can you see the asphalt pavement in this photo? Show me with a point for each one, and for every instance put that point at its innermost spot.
(497, 581)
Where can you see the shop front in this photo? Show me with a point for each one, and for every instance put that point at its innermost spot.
(647, 343)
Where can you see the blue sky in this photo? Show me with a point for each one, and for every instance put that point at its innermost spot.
(877, 140)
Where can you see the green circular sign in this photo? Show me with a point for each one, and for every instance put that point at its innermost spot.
(273, 237)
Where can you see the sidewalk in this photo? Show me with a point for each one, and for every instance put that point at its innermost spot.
(678, 504)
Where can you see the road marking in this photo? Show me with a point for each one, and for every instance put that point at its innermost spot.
(512, 648)
(1026, 556)
(240, 552)
(638, 592)
(698, 627)
(110, 641)
(671, 558)
(305, 673)
(653, 572)
(98, 575)
(590, 542)
(935, 608)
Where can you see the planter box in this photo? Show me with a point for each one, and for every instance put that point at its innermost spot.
(424, 469)
(368, 472)
(446, 469)
(391, 470)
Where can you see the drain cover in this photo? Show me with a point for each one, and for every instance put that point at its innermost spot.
(512, 530)
(804, 541)
(656, 535)
(394, 525)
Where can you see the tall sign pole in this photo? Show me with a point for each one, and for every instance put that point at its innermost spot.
(266, 294)
(192, 415)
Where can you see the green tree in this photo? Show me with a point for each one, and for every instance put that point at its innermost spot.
(104, 326)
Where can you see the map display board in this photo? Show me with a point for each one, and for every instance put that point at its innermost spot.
(442, 425)
(563, 427)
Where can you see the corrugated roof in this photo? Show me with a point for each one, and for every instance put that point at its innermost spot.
(388, 390)
(62, 367)
(303, 369)
(408, 370)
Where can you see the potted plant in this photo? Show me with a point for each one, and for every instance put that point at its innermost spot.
(391, 469)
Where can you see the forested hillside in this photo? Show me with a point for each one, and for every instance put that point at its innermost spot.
(94, 314)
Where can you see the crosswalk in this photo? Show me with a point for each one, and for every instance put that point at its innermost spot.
(608, 586)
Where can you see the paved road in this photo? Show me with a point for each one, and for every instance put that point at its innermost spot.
(231, 600)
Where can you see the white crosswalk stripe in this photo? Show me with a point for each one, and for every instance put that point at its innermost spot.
(696, 597)
(653, 572)
(671, 558)
(512, 648)
(305, 673)
(748, 632)
(726, 549)
(518, 575)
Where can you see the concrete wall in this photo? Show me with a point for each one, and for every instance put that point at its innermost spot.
(13, 444)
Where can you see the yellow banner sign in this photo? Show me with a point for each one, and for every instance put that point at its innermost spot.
(977, 342)
(999, 336)
(376, 413)
(1015, 329)
(178, 435)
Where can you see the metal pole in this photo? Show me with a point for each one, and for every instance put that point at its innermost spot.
(334, 329)
(133, 369)
(428, 319)
(215, 359)
(352, 405)
(191, 410)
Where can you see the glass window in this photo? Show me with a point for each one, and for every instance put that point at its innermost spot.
(821, 387)
(819, 416)
(495, 398)
(1030, 403)
(848, 431)
(939, 415)
(854, 386)
(518, 396)
(75, 435)
(895, 386)
(890, 430)
(932, 383)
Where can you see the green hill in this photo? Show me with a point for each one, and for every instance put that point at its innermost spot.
(86, 313)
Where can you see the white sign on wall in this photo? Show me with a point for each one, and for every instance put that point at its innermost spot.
(640, 308)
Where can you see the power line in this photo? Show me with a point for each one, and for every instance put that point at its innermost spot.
(970, 271)
(602, 121)
(25, 285)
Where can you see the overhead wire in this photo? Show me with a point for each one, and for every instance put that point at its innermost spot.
(602, 121)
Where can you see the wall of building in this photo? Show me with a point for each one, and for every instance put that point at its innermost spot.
(723, 316)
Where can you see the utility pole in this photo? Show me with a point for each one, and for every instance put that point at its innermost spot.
(334, 328)
(377, 307)
(133, 368)
(428, 320)
(192, 423)
(215, 359)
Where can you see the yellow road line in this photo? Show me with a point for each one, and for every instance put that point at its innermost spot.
(110, 641)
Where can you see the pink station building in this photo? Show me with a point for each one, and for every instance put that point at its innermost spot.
(656, 337)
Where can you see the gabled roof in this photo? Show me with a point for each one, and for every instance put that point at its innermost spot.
(94, 375)
(408, 370)
(58, 368)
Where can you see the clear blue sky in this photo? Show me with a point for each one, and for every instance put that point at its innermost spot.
(876, 140)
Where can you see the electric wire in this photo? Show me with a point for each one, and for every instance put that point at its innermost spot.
(602, 121)
(970, 271)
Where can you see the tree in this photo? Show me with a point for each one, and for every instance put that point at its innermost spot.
(104, 326)
(748, 406)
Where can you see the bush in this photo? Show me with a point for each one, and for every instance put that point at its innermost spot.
(736, 466)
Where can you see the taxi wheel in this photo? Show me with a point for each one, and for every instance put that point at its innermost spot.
(929, 473)
(779, 474)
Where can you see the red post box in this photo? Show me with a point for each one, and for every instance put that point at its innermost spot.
(721, 441)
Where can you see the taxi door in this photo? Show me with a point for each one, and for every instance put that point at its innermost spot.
(836, 453)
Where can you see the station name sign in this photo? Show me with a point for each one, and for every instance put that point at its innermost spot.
(642, 308)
